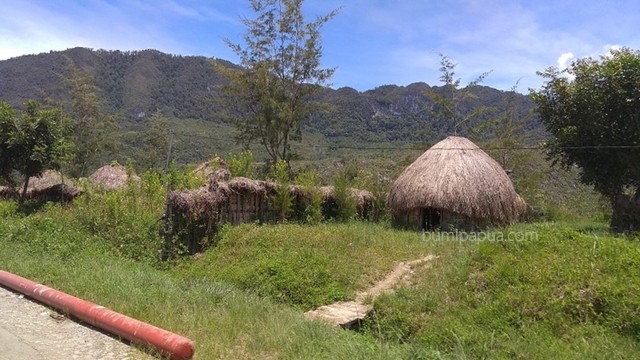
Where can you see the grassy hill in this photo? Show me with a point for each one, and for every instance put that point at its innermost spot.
(536, 291)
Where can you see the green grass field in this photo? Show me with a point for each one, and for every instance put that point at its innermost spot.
(547, 290)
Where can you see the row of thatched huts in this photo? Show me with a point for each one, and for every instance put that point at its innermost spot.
(51, 186)
(454, 183)
(197, 213)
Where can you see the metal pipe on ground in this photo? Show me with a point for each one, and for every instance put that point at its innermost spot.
(165, 342)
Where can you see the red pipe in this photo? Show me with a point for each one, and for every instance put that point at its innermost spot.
(165, 342)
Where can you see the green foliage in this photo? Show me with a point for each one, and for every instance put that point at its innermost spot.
(345, 202)
(304, 266)
(184, 179)
(155, 143)
(32, 141)
(128, 220)
(280, 71)
(7, 124)
(242, 164)
(282, 200)
(572, 292)
(93, 130)
(310, 186)
(379, 186)
(522, 298)
(597, 107)
(448, 102)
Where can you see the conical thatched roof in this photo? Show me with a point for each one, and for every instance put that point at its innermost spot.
(112, 177)
(456, 175)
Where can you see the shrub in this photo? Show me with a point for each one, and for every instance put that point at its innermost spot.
(346, 205)
(242, 164)
(312, 199)
(282, 200)
(379, 187)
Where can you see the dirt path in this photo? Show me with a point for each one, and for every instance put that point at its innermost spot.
(347, 313)
(30, 331)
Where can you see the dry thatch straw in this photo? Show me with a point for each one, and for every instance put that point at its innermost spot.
(456, 176)
(244, 185)
(362, 197)
(8, 192)
(112, 177)
(58, 192)
(48, 179)
(197, 204)
(213, 170)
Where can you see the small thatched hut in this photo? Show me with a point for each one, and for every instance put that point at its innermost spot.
(50, 186)
(112, 177)
(454, 183)
(8, 192)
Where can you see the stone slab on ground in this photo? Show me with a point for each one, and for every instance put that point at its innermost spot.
(348, 313)
(344, 313)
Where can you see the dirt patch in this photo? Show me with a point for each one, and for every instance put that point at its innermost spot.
(347, 313)
(30, 330)
(401, 272)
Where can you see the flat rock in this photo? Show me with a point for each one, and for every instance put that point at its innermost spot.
(344, 313)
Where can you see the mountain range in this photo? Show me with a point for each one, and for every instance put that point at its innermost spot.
(186, 88)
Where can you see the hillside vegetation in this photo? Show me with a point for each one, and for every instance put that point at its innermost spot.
(547, 290)
(136, 84)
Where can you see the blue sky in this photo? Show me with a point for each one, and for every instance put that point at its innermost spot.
(371, 42)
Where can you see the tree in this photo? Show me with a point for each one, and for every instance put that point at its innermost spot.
(93, 129)
(155, 140)
(32, 142)
(7, 156)
(448, 101)
(280, 70)
(593, 110)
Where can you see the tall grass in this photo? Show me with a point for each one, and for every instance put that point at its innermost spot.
(567, 291)
(223, 320)
(571, 291)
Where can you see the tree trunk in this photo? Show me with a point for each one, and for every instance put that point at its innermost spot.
(24, 189)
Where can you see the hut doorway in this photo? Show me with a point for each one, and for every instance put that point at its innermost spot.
(430, 219)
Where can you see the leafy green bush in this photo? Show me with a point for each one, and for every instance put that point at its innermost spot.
(242, 164)
(128, 219)
(282, 200)
(312, 199)
(8, 208)
(346, 206)
(181, 179)
(379, 187)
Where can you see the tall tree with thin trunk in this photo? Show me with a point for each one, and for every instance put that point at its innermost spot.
(279, 71)
(94, 130)
(448, 101)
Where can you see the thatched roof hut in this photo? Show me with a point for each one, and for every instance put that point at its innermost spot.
(454, 179)
(8, 192)
(48, 179)
(213, 170)
(112, 177)
(50, 186)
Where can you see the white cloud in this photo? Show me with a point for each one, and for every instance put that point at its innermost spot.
(563, 60)
(607, 49)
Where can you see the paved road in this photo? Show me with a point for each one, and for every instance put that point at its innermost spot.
(30, 331)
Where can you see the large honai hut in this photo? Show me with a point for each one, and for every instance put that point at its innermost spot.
(454, 183)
